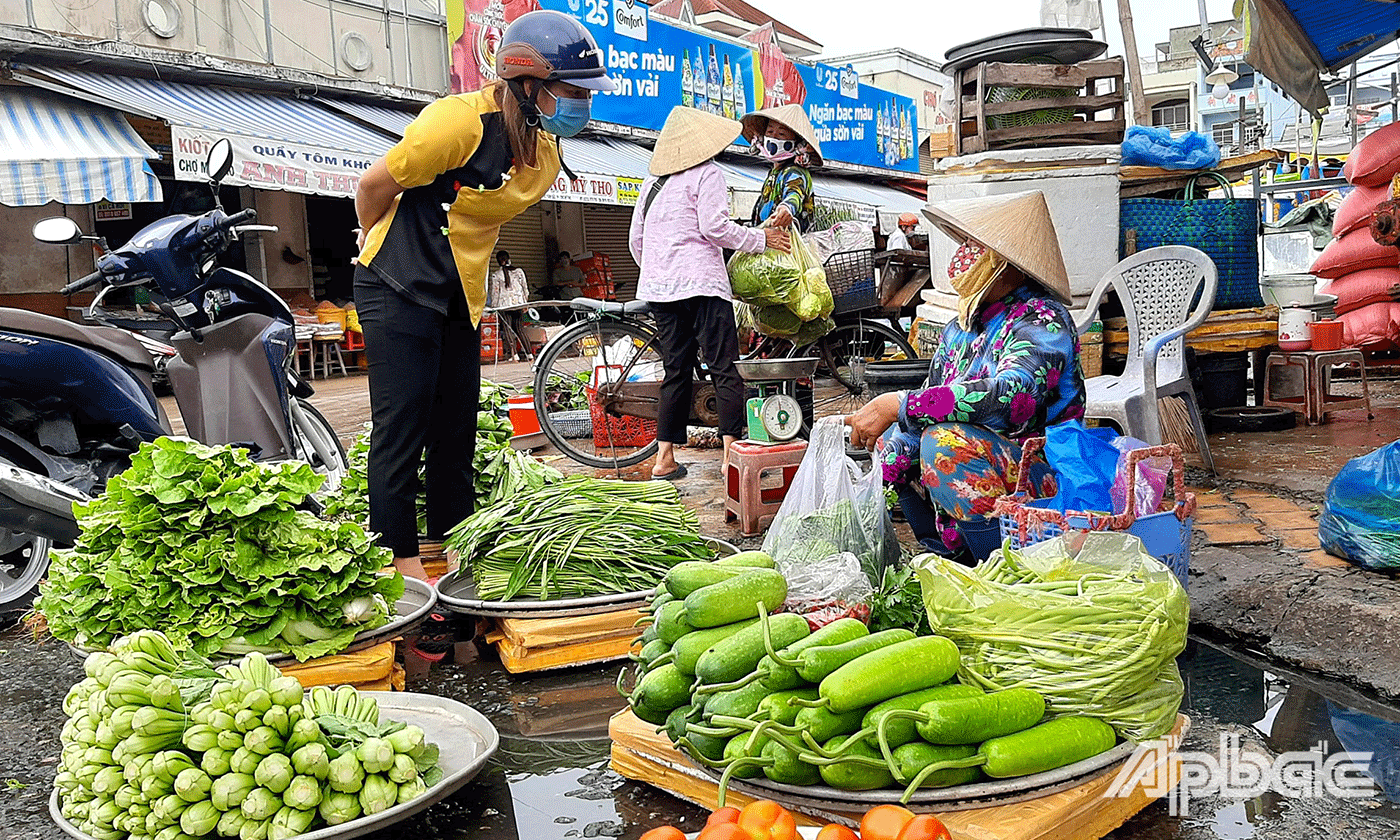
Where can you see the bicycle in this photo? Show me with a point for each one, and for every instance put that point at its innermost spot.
(597, 383)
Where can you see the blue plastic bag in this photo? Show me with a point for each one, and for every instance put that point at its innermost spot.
(1085, 462)
(1149, 146)
(1360, 520)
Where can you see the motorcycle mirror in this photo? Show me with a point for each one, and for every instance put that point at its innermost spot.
(220, 160)
(58, 230)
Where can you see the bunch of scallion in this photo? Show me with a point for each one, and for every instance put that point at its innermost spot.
(578, 537)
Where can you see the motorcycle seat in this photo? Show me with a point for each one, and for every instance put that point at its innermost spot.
(108, 340)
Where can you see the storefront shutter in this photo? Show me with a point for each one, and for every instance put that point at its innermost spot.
(523, 237)
(605, 231)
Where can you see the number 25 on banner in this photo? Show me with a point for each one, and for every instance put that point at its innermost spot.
(597, 14)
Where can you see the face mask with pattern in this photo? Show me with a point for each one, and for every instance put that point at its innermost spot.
(972, 271)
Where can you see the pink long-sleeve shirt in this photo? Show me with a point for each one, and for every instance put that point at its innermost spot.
(679, 243)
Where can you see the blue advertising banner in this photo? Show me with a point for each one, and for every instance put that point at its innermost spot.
(659, 66)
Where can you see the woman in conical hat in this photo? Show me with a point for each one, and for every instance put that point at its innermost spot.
(784, 137)
(1005, 369)
(680, 228)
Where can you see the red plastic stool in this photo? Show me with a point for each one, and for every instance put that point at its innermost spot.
(748, 500)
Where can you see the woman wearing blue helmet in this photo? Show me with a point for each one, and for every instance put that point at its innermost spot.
(429, 214)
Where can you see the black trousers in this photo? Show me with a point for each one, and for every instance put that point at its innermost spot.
(424, 389)
(684, 329)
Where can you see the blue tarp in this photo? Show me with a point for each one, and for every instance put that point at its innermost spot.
(1343, 30)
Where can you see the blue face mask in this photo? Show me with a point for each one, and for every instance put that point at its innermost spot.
(570, 117)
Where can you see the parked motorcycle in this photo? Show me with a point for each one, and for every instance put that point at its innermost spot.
(76, 400)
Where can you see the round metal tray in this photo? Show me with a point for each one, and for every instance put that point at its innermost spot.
(959, 798)
(770, 370)
(456, 592)
(409, 611)
(465, 738)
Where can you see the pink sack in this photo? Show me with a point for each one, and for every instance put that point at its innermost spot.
(1377, 324)
(1355, 210)
(1376, 159)
(1352, 253)
(1362, 284)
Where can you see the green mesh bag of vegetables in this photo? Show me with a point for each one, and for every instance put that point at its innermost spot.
(1095, 629)
(813, 330)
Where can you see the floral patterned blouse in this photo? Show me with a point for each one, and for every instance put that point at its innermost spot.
(791, 185)
(1016, 372)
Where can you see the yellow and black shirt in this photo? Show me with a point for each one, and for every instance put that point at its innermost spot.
(460, 186)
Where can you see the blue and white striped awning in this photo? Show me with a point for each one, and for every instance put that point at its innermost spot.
(255, 115)
(57, 149)
(393, 121)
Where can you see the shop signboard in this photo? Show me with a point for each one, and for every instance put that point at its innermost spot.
(590, 188)
(659, 66)
(111, 211)
(269, 165)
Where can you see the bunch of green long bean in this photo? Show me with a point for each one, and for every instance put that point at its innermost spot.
(577, 537)
(1095, 638)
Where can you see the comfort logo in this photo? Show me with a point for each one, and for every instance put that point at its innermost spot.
(519, 62)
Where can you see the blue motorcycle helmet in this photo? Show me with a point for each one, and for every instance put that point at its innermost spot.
(550, 46)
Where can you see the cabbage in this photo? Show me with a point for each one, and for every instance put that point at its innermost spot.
(813, 330)
(769, 278)
(777, 321)
(815, 301)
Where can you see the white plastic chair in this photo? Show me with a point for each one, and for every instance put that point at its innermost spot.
(1156, 288)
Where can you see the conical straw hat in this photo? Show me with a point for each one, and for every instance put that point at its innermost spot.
(689, 138)
(791, 116)
(1015, 225)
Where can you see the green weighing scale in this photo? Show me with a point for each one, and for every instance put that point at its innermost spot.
(774, 415)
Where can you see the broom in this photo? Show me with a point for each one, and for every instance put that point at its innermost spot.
(1176, 424)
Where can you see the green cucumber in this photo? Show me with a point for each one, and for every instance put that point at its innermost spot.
(787, 766)
(670, 622)
(778, 706)
(972, 720)
(699, 746)
(901, 730)
(822, 725)
(685, 578)
(676, 723)
(911, 665)
(663, 690)
(689, 647)
(740, 703)
(652, 651)
(737, 599)
(738, 655)
(778, 669)
(755, 559)
(659, 600)
(1047, 746)
(745, 745)
(816, 664)
(910, 759)
(648, 635)
(857, 767)
(656, 717)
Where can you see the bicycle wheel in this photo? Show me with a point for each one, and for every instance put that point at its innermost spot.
(568, 409)
(845, 351)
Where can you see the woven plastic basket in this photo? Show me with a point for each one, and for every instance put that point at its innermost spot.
(1166, 534)
(573, 424)
(851, 277)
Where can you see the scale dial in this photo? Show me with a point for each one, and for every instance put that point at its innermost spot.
(781, 416)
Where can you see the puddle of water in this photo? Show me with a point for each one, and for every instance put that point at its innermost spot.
(550, 778)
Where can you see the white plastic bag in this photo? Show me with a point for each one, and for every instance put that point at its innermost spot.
(1151, 480)
(831, 509)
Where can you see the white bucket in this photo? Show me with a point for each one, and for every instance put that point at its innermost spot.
(1283, 289)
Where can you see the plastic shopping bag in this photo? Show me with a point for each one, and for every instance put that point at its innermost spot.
(1147, 487)
(770, 278)
(1360, 519)
(1085, 463)
(832, 509)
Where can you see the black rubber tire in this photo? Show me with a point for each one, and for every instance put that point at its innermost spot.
(1250, 419)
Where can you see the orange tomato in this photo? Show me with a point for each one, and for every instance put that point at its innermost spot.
(925, 827)
(723, 815)
(664, 832)
(767, 820)
(884, 822)
(832, 831)
(723, 831)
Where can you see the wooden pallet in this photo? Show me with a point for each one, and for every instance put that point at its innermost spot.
(1080, 813)
(1089, 127)
(371, 669)
(540, 644)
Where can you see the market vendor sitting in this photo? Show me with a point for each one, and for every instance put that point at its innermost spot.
(1005, 369)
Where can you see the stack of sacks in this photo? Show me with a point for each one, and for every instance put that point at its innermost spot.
(1357, 266)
